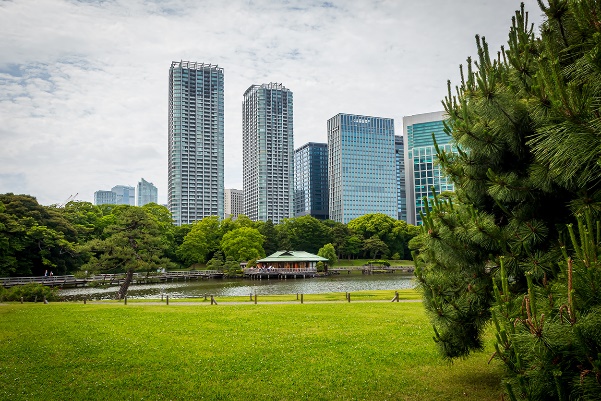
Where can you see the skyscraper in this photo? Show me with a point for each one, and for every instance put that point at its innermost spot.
(422, 171)
(105, 197)
(126, 195)
(361, 167)
(234, 202)
(195, 178)
(311, 180)
(400, 177)
(147, 192)
(268, 152)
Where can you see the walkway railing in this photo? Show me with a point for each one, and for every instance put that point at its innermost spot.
(117, 278)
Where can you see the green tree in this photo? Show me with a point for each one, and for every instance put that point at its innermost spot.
(201, 242)
(85, 218)
(35, 238)
(243, 244)
(394, 233)
(305, 233)
(526, 127)
(270, 234)
(374, 246)
(216, 262)
(340, 234)
(353, 246)
(132, 244)
(327, 251)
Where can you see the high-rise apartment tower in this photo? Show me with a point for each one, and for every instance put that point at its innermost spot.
(195, 181)
(268, 152)
(361, 167)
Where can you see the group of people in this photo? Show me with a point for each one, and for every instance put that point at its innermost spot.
(265, 269)
(46, 273)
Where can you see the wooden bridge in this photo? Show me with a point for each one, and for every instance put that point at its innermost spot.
(111, 279)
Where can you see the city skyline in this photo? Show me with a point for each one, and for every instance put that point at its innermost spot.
(70, 116)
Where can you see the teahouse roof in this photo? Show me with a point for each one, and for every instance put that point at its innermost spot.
(292, 256)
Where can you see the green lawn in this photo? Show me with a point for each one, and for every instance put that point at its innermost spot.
(367, 295)
(315, 351)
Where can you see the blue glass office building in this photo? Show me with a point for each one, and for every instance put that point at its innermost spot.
(311, 180)
(195, 171)
(361, 167)
(399, 152)
(422, 170)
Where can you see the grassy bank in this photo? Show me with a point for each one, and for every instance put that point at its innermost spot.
(319, 351)
(356, 296)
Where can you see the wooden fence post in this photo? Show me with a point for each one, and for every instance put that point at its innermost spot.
(85, 299)
(255, 298)
(302, 300)
(125, 300)
(348, 296)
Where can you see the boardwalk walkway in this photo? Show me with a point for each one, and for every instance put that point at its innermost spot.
(110, 279)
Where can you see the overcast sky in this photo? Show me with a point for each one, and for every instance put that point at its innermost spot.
(84, 84)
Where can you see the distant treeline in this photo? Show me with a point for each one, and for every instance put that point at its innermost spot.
(37, 239)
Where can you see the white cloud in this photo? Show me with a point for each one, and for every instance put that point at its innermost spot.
(83, 99)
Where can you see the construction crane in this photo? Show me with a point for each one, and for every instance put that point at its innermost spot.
(69, 199)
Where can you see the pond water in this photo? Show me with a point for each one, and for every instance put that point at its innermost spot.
(243, 287)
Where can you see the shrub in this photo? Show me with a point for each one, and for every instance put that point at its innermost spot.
(30, 293)
(379, 262)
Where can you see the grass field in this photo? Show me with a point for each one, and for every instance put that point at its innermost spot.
(286, 351)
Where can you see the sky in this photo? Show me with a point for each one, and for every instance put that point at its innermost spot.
(84, 83)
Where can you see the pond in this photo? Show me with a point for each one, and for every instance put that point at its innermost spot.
(243, 287)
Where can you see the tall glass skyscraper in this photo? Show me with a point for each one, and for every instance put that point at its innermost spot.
(361, 167)
(147, 192)
(422, 170)
(195, 182)
(126, 195)
(399, 151)
(311, 180)
(268, 152)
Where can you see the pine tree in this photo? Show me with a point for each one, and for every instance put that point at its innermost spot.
(527, 126)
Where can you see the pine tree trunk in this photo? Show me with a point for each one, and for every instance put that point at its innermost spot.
(125, 285)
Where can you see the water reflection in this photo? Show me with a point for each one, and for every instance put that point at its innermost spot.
(243, 287)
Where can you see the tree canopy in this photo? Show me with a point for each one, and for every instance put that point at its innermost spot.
(134, 243)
